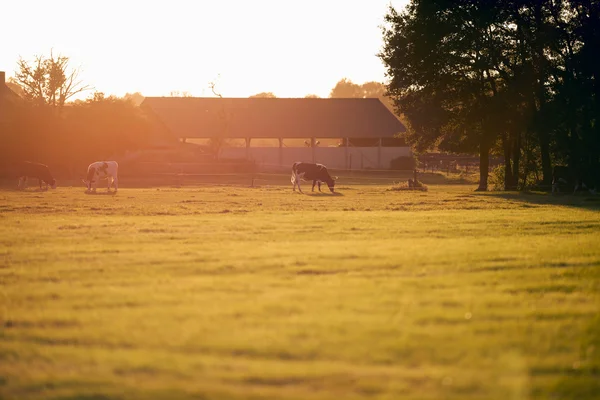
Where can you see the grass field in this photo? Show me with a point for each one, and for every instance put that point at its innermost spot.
(260, 293)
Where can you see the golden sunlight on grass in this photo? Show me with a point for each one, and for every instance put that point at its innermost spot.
(237, 293)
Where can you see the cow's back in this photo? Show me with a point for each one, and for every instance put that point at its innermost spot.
(31, 169)
(311, 171)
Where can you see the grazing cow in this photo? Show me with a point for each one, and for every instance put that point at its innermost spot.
(102, 170)
(318, 173)
(577, 179)
(28, 169)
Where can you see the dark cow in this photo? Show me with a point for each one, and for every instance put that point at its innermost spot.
(573, 179)
(26, 169)
(317, 173)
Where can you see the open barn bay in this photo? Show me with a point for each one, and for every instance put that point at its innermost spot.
(260, 293)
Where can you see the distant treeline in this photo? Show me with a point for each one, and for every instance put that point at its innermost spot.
(39, 122)
(519, 78)
(73, 135)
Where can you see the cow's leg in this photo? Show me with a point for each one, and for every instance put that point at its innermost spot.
(108, 183)
(577, 186)
(298, 183)
(293, 181)
(116, 183)
(319, 182)
(21, 184)
(313, 187)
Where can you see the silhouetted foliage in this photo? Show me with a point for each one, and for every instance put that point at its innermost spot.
(94, 129)
(345, 88)
(109, 126)
(264, 95)
(48, 81)
(514, 77)
(135, 98)
(179, 93)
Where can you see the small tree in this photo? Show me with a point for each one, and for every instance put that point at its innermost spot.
(263, 95)
(218, 142)
(49, 80)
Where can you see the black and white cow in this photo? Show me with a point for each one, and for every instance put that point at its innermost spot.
(317, 173)
(573, 179)
(102, 170)
(27, 169)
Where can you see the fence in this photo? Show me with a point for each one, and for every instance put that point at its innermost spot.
(350, 158)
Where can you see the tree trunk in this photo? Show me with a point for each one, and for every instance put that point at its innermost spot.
(516, 160)
(484, 166)
(545, 152)
(508, 173)
(539, 63)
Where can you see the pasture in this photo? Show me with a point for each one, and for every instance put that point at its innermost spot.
(221, 292)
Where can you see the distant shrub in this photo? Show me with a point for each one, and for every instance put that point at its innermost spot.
(409, 185)
(407, 163)
(496, 178)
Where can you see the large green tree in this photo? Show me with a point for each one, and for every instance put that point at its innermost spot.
(442, 60)
(513, 76)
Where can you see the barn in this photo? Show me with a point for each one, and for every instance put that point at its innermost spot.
(360, 133)
(7, 96)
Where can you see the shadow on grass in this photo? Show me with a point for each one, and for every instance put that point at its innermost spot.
(25, 190)
(111, 193)
(87, 397)
(587, 201)
(322, 194)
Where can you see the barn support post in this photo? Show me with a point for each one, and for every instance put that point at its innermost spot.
(280, 152)
(379, 153)
(346, 153)
(248, 148)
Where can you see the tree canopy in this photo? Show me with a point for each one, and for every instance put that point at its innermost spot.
(510, 76)
(49, 80)
(264, 95)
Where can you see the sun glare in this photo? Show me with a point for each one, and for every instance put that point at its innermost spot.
(291, 49)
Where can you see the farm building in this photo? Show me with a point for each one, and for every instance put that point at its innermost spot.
(8, 99)
(361, 133)
(6, 94)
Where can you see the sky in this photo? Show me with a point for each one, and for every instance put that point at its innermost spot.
(291, 48)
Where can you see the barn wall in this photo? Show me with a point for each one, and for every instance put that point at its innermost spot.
(332, 157)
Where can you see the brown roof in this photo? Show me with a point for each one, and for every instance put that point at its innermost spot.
(205, 117)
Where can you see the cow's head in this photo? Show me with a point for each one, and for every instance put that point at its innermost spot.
(90, 178)
(331, 184)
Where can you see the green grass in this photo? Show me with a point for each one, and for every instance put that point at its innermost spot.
(240, 293)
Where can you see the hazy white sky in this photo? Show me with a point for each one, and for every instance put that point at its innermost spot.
(289, 47)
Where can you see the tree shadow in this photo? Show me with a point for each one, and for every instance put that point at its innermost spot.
(579, 200)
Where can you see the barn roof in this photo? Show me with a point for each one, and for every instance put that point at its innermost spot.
(205, 117)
